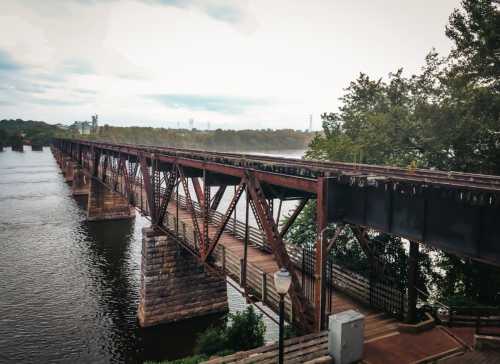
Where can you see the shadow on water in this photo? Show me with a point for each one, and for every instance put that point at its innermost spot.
(114, 253)
(69, 289)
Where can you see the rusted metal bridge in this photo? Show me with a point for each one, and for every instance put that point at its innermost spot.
(181, 191)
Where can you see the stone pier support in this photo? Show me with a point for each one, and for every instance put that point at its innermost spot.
(62, 160)
(104, 204)
(81, 183)
(174, 285)
(69, 167)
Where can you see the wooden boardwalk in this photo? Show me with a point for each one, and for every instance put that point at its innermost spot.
(260, 269)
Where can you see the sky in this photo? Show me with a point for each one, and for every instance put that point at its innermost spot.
(228, 63)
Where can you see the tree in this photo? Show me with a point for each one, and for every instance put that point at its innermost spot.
(446, 117)
(475, 30)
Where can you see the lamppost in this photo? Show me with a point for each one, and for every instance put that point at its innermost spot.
(282, 281)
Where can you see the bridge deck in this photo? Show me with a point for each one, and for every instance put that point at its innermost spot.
(261, 266)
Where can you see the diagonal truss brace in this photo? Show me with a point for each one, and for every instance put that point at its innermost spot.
(293, 217)
(122, 167)
(218, 197)
(170, 182)
(301, 306)
(146, 177)
(191, 210)
(227, 216)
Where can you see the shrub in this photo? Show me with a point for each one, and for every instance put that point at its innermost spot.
(210, 342)
(245, 330)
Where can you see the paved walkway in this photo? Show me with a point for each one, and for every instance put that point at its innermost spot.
(435, 345)
(403, 348)
(475, 357)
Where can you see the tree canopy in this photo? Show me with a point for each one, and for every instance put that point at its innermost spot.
(445, 117)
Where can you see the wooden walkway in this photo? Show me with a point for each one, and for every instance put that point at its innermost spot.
(260, 269)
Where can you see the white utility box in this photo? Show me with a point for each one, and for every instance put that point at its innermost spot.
(346, 336)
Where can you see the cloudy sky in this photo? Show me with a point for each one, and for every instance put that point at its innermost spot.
(235, 64)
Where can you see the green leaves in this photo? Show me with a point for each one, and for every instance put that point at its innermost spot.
(446, 117)
(242, 331)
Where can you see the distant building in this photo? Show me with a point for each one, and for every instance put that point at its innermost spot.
(95, 124)
(83, 127)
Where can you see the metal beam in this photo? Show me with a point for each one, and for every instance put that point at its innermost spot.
(146, 177)
(218, 197)
(227, 216)
(192, 211)
(198, 191)
(301, 306)
(293, 217)
(321, 255)
(169, 188)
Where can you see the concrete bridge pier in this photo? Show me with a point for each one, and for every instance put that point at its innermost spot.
(81, 183)
(60, 162)
(68, 169)
(104, 204)
(174, 286)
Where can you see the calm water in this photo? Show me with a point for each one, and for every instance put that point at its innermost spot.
(68, 288)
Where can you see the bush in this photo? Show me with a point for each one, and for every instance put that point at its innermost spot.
(242, 331)
(210, 342)
(246, 330)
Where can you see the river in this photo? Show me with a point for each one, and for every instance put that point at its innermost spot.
(69, 289)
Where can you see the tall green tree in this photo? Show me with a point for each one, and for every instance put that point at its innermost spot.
(446, 117)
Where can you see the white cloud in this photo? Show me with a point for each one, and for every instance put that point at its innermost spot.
(298, 56)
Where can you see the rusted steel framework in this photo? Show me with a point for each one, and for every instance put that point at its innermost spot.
(456, 212)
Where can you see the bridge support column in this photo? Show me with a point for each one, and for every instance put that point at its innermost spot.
(80, 182)
(59, 160)
(174, 285)
(69, 167)
(104, 204)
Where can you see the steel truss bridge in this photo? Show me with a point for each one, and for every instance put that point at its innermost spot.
(456, 212)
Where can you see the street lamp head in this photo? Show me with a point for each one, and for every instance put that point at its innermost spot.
(282, 281)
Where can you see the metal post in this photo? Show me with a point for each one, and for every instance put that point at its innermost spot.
(319, 274)
(177, 210)
(245, 251)
(234, 220)
(281, 328)
(412, 282)
(264, 287)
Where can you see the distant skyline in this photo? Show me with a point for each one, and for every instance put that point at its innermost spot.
(230, 64)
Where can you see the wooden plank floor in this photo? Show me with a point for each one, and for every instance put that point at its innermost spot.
(376, 323)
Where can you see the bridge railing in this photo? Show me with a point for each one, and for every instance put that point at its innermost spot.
(371, 292)
(374, 293)
(258, 283)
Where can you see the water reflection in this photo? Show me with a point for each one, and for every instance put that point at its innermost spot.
(69, 289)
